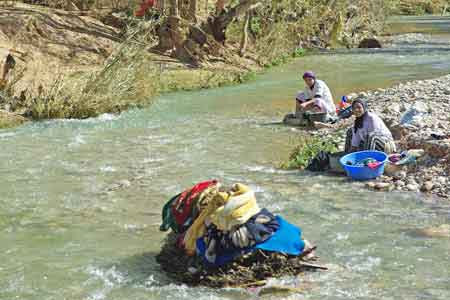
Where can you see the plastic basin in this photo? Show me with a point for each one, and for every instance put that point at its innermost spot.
(363, 172)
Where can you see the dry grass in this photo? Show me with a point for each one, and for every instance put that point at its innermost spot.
(127, 79)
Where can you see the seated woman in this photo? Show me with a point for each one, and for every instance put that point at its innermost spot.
(369, 131)
(315, 98)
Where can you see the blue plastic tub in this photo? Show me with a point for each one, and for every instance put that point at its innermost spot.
(363, 172)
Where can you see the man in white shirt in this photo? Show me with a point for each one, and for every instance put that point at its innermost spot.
(316, 97)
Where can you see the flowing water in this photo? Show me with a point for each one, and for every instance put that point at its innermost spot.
(80, 200)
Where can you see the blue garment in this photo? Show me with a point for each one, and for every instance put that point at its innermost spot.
(287, 239)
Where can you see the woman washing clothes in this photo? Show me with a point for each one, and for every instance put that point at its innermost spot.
(315, 98)
(369, 131)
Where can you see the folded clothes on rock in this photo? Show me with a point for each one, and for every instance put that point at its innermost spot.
(225, 210)
(285, 239)
(180, 211)
(256, 230)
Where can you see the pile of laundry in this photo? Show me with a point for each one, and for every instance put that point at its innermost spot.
(221, 237)
(366, 162)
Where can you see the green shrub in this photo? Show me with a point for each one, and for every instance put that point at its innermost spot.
(306, 149)
(299, 52)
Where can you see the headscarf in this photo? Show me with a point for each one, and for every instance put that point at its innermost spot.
(359, 122)
(309, 74)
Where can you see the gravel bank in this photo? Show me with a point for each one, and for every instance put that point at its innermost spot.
(418, 114)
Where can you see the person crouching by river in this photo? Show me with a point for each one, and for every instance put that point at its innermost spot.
(315, 98)
(368, 132)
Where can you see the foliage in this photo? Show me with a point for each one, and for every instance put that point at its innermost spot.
(299, 52)
(247, 76)
(306, 149)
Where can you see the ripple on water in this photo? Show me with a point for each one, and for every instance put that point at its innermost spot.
(107, 169)
(78, 140)
(5, 135)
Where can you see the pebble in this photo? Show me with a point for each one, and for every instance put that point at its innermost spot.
(400, 183)
(412, 187)
(442, 180)
(371, 185)
(427, 186)
(382, 185)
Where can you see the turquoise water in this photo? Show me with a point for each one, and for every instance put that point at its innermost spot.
(80, 200)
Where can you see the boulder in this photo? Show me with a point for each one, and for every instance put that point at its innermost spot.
(369, 43)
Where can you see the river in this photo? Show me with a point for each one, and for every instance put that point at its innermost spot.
(80, 199)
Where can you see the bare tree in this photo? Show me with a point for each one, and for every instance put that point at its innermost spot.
(193, 10)
(190, 42)
(244, 38)
(161, 4)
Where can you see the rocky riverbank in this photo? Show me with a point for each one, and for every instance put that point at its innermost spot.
(418, 114)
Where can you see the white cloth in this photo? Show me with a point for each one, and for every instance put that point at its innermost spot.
(300, 96)
(372, 123)
(321, 90)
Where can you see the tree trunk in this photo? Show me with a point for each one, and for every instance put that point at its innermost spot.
(204, 39)
(193, 11)
(220, 23)
(244, 39)
(173, 8)
(206, 7)
(161, 4)
(183, 8)
(168, 32)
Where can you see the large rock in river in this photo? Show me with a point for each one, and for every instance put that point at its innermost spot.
(369, 43)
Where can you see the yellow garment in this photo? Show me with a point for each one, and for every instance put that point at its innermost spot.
(239, 208)
(198, 228)
(224, 210)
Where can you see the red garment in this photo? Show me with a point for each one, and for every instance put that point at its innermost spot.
(145, 5)
(182, 207)
(374, 165)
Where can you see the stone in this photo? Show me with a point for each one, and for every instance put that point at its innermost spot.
(369, 43)
(400, 175)
(400, 183)
(371, 184)
(412, 187)
(438, 231)
(382, 185)
(441, 180)
(427, 186)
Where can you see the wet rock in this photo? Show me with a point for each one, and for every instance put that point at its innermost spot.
(438, 231)
(371, 184)
(245, 271)
(369, 43)
(382, 185)
(427, 186)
